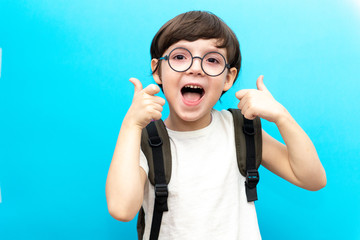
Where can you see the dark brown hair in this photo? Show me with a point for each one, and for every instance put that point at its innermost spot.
(194, 25)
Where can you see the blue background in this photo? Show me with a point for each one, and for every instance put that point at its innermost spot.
(64, 91)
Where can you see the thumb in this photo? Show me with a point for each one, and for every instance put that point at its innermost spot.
(260, 83)
(137, 84)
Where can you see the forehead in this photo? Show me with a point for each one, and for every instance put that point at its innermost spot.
(199, 47)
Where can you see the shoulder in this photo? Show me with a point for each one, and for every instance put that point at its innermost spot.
(222, 114)
(223, 117)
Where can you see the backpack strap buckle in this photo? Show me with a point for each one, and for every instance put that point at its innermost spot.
(252, 178)
(161, 195)
(248, 128)
(161, 190)
(155, 141)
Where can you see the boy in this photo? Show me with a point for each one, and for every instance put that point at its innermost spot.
(195, 59)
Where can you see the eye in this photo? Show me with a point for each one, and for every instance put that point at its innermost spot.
(213, 60)
(180, 54)
(179, 57)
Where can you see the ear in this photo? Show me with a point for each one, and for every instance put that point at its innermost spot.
(230, 78)
(156, 75)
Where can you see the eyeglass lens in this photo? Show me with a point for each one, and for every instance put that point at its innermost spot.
(213, 63)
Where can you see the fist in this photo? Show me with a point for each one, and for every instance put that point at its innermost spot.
(259, 102)
(145, 106)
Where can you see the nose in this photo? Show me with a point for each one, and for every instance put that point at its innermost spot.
(196, 68)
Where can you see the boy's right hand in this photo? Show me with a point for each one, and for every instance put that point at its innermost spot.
(145, 106)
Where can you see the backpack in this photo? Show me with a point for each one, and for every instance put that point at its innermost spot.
(155, 145)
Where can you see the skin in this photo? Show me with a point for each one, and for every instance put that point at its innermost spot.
(296, 161)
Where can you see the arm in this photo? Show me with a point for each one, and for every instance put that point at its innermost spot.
(126, 179)
(297, 161)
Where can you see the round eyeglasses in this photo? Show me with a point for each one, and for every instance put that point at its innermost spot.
(180, 60)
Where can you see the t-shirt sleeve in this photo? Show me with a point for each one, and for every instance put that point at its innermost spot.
(144, 163)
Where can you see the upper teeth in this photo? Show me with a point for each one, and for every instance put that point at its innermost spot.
(193, 86)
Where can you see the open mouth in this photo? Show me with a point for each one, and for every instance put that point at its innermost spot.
(192, 93)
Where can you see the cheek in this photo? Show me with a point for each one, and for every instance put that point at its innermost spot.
(168, 85)
(220, 84)
(164, 71)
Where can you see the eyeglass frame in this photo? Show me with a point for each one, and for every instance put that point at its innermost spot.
(166, 58)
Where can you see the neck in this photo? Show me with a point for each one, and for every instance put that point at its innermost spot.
(176, 123)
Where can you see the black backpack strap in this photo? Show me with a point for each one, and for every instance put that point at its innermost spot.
(248, 142)
(147, 149)
(252, 174)
(159, 153)
(160, 183)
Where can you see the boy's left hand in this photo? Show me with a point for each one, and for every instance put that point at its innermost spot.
(259, 102)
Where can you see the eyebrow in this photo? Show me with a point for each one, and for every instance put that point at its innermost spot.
(210, 49)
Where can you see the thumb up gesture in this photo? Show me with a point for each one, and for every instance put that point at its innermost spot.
(145, 106)
(259, 102)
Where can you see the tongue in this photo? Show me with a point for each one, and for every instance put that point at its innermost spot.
(192, 96)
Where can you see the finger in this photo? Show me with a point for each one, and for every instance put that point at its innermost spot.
(137, 84)
(157, 115)
(154, 103)
(159, 100)
(152, 89)
(154, 111)
(248, 112)
(250, 116)
(242, 103)
(244, 108)
(260, 84)
(240, 94)
(158, 108)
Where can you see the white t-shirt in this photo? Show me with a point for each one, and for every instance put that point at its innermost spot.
(207, 197)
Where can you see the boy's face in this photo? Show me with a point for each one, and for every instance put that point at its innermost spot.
(192, 94)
